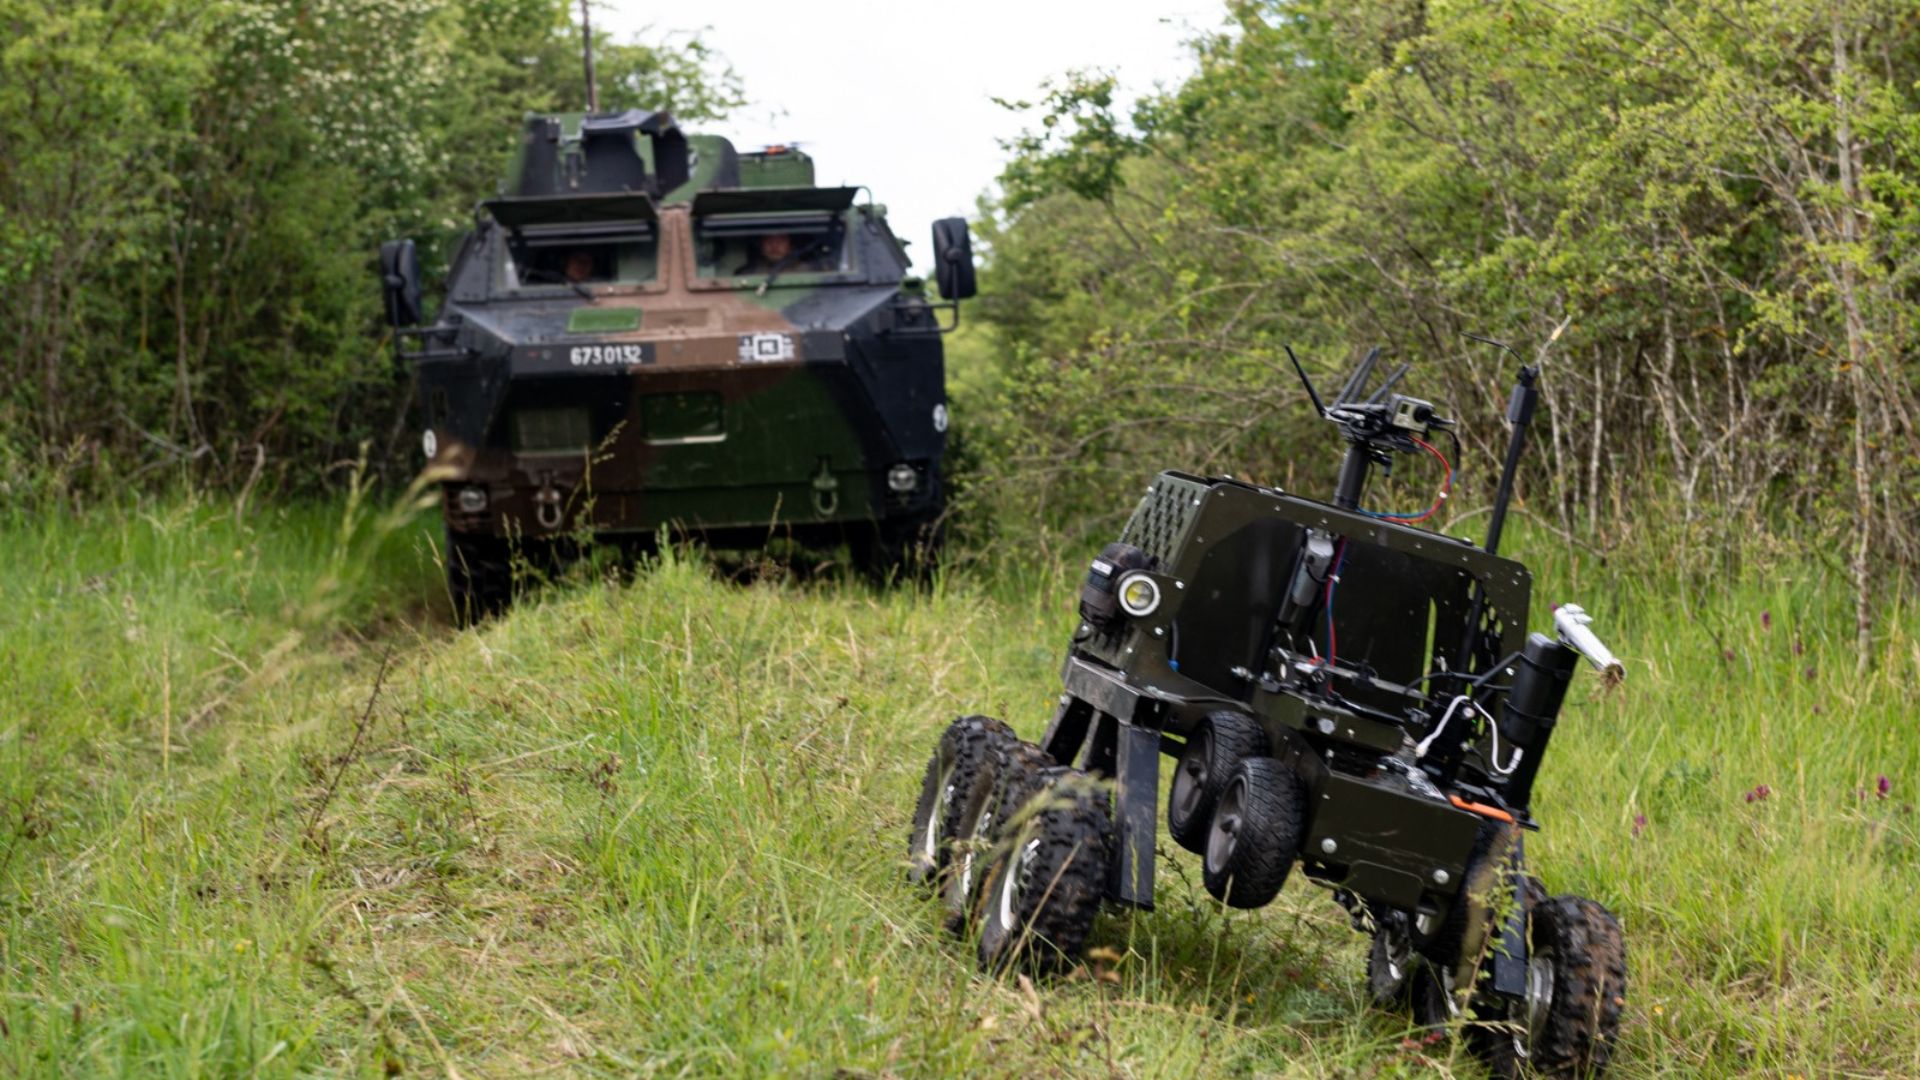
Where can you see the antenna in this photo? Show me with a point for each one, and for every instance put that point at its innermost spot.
(1380, 395)
(1502, 344)
(1312, 395)
(586, 53)
(1357, 382)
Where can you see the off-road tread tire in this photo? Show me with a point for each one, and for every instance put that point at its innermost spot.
(1225, 738)
(1013, 774)
(1074, 826)
(962, 754)
(1274, 820)
(1589, 986)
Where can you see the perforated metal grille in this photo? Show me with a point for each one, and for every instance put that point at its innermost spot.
(1160, 522)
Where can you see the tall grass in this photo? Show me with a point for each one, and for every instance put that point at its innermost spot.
(656, 826)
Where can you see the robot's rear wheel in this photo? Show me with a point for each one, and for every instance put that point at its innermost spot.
(1256, 833)
(1576, 990)
(1217, 746)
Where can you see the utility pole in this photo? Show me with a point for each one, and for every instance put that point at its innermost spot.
(586, 50)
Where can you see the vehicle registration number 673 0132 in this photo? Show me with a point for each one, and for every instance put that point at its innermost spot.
(600, 355)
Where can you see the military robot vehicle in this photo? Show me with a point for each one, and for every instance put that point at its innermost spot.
(1342, 691)
(648, 330)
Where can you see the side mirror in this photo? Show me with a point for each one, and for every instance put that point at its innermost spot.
(400, 281)
(953, 259)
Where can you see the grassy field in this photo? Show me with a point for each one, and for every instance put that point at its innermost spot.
(266, 813)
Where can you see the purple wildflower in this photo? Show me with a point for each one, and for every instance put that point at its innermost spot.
(1799, 646)
(1884, 786)
(1809, 673)
(1766, 620)
(1639, 823)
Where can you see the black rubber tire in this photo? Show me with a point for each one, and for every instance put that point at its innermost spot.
(900, 550)
(953, 770)
(1046, 881)
(1220, 741)
(1256, 833)
(1589, 980)
(479, 576)
(1014, 774)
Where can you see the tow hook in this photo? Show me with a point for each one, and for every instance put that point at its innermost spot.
(826, 490)
(546, 507)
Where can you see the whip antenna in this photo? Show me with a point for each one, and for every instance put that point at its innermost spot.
(586, 54)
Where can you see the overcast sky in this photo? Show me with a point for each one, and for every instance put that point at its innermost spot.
(899, 96)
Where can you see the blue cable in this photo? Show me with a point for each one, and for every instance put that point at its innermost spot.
(1333, 580)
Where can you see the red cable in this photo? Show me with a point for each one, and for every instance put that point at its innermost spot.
(1446, 486)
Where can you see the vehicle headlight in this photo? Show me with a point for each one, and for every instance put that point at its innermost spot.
(1139, 595)
(472, 499)
(902, 478)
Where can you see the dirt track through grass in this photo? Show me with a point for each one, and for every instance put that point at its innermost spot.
(657, 828)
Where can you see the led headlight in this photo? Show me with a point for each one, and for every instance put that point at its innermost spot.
(1139, 595)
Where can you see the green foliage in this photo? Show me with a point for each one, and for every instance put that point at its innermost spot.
(191, 194)
(1712, 203)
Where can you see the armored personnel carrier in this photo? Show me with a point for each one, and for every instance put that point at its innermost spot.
(649, 330)
(1343, 692)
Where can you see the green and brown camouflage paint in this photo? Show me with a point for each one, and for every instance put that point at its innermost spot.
(718, 405)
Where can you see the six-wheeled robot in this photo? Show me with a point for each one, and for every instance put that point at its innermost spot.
(1342, 691)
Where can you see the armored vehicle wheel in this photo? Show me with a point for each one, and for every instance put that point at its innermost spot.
(1014, 774)
(479, 576)
(1576, 990)
(1256, 833)
(1217, 745)
(1046, 881)
(953, 770)
(899, 549)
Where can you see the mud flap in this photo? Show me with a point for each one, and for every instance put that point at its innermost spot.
(1510, 949)
(1137, 815)
(1129, 756)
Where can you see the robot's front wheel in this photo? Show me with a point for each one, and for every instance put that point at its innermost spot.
(1047, 878)
(956, 767)
(1015, 772)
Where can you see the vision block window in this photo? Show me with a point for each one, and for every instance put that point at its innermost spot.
(762, 245)
(624, 255)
